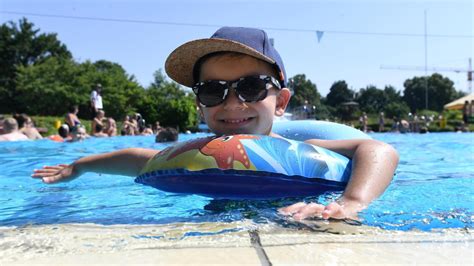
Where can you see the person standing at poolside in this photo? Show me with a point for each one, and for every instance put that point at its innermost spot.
(96, 100)
(11, 132)
(363, 122)
(381, 122)
(465, 113)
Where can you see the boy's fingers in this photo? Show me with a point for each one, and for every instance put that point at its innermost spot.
(51, 179)
(310, 210)
(56, 167)
(333, 210)
(289, 210)
(44, 172)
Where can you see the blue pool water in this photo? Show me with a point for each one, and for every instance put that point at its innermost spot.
(433, 188)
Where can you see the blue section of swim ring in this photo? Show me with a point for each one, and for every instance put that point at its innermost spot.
(237, 184)
(312, 129)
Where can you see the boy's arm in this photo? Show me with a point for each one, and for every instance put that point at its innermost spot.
(123, 162)
(373, 166)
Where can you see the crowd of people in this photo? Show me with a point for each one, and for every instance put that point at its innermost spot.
(21, 126)
(414, 123)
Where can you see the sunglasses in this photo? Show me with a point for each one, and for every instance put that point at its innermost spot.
(249, 89)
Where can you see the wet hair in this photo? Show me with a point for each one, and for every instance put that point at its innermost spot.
(63, 130)
(75, 129)
(235, 55)
(72, 109)
(10, 125)
(167, 134)
(21, 119)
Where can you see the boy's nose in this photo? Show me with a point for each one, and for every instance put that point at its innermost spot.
(233, 101)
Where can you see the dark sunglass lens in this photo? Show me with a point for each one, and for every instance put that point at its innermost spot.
(211, 93)
(252, 89)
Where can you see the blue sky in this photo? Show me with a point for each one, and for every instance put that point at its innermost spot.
(347, 51)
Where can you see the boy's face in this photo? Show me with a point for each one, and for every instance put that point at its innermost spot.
(234, 116)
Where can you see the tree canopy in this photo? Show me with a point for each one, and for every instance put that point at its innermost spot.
(304, 92)
(22, 45)
(339, 93)
(440, 91)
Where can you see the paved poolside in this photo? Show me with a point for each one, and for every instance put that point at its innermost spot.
(231, 243)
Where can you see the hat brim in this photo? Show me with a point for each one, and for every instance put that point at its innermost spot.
(180, 63)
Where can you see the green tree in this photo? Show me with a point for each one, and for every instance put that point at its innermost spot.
(372, 100)
(304, 92)
(22, 45)
(167, 102)
(392, 94)
(440, 91)
(51, 87)
(339, 93)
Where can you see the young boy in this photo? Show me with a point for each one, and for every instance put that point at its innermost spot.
(240, 85)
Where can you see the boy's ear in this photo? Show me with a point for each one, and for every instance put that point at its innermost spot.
(282, 100)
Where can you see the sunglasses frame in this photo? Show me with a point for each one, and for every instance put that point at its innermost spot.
(270, 82)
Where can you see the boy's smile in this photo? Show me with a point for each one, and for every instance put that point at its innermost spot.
(234, 116)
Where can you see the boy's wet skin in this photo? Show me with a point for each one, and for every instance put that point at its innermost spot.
(234, 116)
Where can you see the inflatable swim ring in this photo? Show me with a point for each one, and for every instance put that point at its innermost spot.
(249, 167)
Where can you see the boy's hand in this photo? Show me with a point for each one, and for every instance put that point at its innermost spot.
(55, 174)
(335, 210)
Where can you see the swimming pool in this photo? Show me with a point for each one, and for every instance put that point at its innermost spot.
(433, 188)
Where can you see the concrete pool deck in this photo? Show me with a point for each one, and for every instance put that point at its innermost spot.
(231, 243)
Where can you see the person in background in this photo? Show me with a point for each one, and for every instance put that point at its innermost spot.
(71, 118)
(134, 121)
(147, 131)
(96, 100)
(157, 127)
(2, 118)
(404, 126)
(140, 124)
(78, 134)
(11, 132)
(110, 127)
(465, 113)
(27, 127)
(128, 128)
(471, 109)
(167, 134)
(63, 134)
(381, 122)
(363, 122)
(415, 125)
(98, 125)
